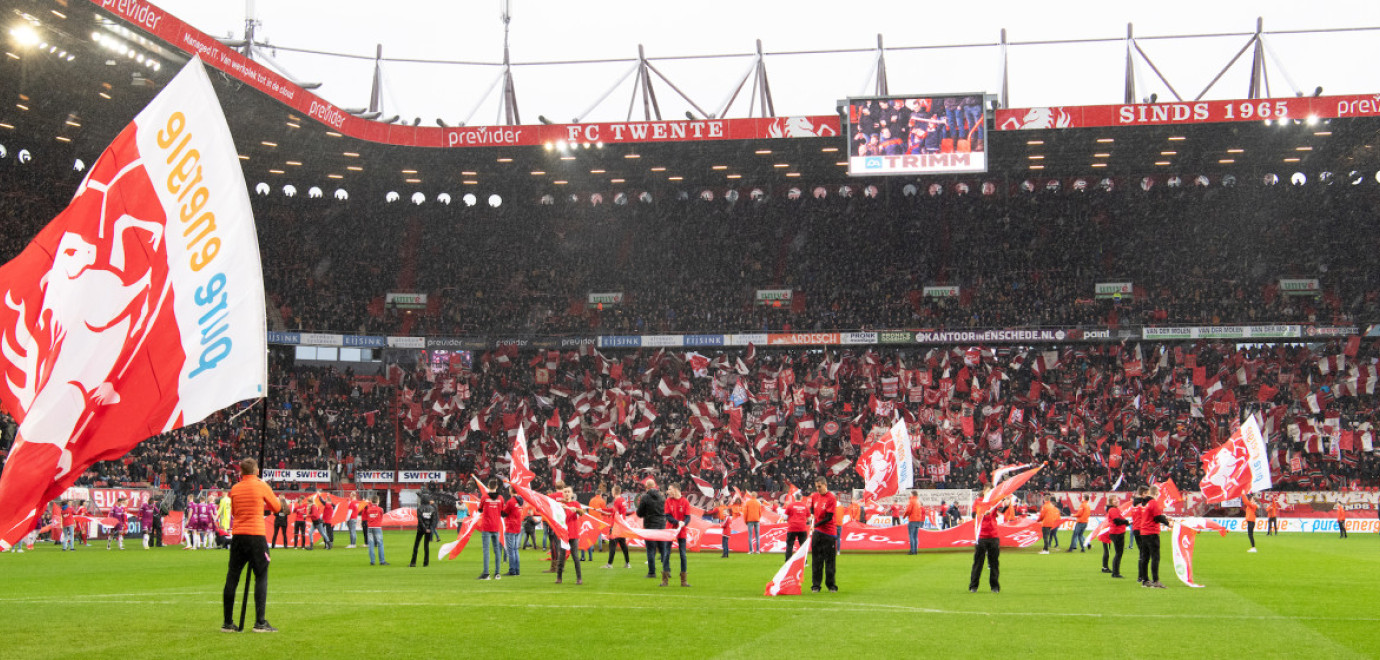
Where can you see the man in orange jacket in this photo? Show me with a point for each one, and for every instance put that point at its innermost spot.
(1080, 525)
(248, 500)
(1049, 523)
(915, 516)
(752, 516)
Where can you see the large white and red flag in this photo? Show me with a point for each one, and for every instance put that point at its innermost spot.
(462, 537)
(1238, 466)
(788, 578)
(1183, 536)
(1009, 484)
(520, 469)
(139, 309)
(551, 511)
(622, 529)
(885, 465)
(706, 489)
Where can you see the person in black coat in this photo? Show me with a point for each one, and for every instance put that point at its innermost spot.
(426, 526)
(651, 508)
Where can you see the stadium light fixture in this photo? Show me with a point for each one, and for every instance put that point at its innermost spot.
(793, 174)
(495, 201)
(763, 152)
(597, 171)
(1303, 148)
(1169, 153)
(632, 155)
(354, 168)
(266, 143)
(617, 180)
(1037, 167)
(1034, 143)
(1226, 161)
(1161, 162)
(1312, 120)
(1099, 164)
(829, 150)
(1106, 140)
(659, 169)
(469, 199)
(24, 35)
(1322, 133)
(1236, 151)
(505, 159)
(276, 172)
(1035, 157)
(1177, 138)
(1102, 155)
(735, 176)
(335, 176)
(1292, 160)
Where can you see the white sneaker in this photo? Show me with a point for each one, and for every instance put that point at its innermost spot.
(1251, 550)
(1044, 552)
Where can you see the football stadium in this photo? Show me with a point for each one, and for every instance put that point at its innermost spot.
(683, 376)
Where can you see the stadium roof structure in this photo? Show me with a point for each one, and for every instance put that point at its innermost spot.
(74, 73)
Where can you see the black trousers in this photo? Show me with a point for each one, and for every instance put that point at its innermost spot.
(1150, 556)
(1271, 526)
(1341, 527)
(252, 550)
(1118, 542)
(300, 538)
(988, 549)
(156, 532)
(530, 534)
(279, 527)
(573, 553)
(614, 544)
(1250, 531)
(423, 539)
(793, 540)
(822, 557)
(1140, 559)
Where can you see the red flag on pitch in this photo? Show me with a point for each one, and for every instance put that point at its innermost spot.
(551, 511)
(139, 309)
(462, 537)
(788, 578)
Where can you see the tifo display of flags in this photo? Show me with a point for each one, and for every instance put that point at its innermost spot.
(789, 577)
(885, 465)
(139, 309)
(1238, 466)
(462, 537)
(703, 485)
(1183, 536)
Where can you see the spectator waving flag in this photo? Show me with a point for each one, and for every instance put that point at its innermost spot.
(789, 577)
(139, 309)
(703, 485)
(1238, 466)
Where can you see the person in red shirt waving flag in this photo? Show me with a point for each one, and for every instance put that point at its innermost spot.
(823, 507)
(988, 545)
(797, 523)
(491, 527)
(1151, 517)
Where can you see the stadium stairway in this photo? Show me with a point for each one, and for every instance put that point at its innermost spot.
(407, 272)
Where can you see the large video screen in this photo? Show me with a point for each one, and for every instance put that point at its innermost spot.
(917, 135)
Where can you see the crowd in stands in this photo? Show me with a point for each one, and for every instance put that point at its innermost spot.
(1100, 416)
(1195, 255)
(1203, 256)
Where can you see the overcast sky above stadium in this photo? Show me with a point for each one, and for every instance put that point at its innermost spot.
(807, 84)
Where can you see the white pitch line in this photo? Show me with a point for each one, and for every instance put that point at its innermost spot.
(839, 606)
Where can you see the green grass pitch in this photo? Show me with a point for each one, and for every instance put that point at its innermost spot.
(1301, 596)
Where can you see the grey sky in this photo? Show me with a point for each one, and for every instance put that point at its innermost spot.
(546, 30)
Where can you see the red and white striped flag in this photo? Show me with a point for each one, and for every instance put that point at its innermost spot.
(791, 575)
(550, 510)
(139, 309)
(462, 537)
(703, 485)
(622, 529)
(520, 470)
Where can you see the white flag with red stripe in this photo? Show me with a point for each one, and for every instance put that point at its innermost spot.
(520, 470)
(622, 529)
(139, 309)
(1238, 466)
(791, 575)
(703, 485)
